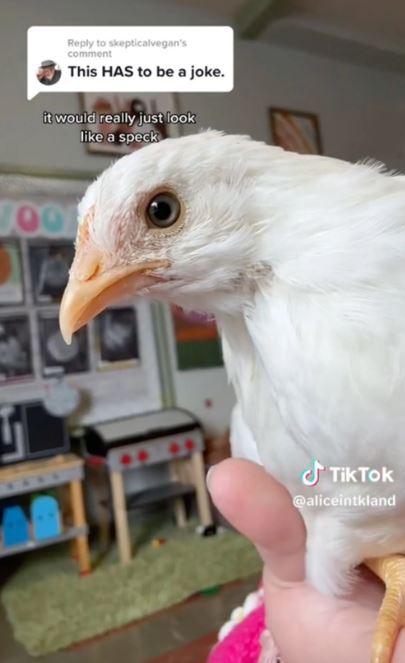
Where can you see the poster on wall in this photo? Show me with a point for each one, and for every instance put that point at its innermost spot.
(30, 218)
(197, 340)
(117, 341)
(57, 357)
(133, 104)
(11, 280)
(296, 131)
(49, 264)
(15, 348)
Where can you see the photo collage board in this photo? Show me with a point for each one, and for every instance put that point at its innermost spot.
(36, 252)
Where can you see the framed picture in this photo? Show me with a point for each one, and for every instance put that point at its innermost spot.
(11, 273)
(56, 357)
(108, 103)
(296, 131)
(117, 341)
(49, 265)
(197, 340)
(15, 348)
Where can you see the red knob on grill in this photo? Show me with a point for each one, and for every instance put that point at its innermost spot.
(126, 459)
(174, 448)
(189, 444)
(143, 455)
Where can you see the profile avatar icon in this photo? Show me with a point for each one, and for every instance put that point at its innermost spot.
(48, 72)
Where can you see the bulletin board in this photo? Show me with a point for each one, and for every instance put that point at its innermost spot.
(114, 361)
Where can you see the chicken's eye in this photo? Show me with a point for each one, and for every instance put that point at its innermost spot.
(163, 210)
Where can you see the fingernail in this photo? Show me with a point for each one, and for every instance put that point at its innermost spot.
(209, 476)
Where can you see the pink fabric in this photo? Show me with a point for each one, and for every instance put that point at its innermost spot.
(242, 644)
(248, 642)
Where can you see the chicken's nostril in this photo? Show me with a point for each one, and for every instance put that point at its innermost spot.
(86, 265)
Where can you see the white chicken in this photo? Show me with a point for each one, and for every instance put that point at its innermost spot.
(302, 261)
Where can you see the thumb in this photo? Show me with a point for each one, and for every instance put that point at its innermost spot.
(262, 510)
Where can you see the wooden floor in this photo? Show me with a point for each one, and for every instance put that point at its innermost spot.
(194, 652)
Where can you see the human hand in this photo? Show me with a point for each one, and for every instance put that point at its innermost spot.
(307, 626)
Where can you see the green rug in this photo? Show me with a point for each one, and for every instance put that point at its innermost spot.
(50, 607)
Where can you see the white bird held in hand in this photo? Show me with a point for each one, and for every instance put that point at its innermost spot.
(302, 261)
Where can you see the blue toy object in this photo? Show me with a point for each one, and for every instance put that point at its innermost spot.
(15, 526)
(45, 517)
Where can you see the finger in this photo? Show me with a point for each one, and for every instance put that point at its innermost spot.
(262, 510)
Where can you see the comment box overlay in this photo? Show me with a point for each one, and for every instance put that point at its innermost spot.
(129, 59)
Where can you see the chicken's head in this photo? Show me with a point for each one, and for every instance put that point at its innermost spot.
(174, 220)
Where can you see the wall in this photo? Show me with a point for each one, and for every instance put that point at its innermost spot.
(206, 392)
(361, 113)
(361, 109)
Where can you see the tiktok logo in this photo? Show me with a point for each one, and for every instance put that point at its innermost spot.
(310, 477)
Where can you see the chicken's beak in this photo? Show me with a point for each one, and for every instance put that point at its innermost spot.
(90, 290)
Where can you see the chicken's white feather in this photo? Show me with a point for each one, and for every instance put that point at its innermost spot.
(243, 444)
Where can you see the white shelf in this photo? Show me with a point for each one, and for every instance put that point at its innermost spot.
(71, 533)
